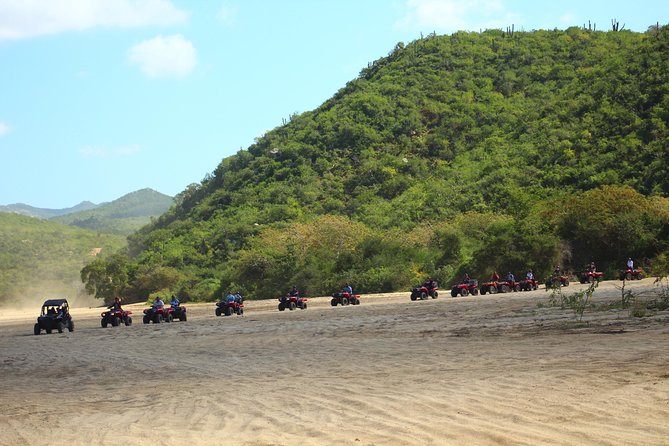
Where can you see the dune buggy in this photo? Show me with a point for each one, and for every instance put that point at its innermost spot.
(55, 315)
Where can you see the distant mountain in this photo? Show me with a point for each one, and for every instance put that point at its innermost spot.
(40, 258)
(30, 211)
(122, 216)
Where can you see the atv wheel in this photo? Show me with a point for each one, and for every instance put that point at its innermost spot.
(183, 317)
(128, 321)
(239, 312)
(115, 321)
(103, 322)
(566, 283)
(169, 318)
(304, 306)
(333, 302)
(217, 311)
(228, 310)
(60, 326)
(464, 292)
(454, 293)
(344, 301)
(475, 292)
(413, 297)
(282, 307)
(157, 318)
(493, 290)
(146, 319)
(504, 289)
(37, 330)
(423, 296)
(292, 306)
(435, 295)
(639, 276)
(628, 276)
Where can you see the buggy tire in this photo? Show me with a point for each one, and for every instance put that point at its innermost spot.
(60, 327)
(37, 330)
(70, 326)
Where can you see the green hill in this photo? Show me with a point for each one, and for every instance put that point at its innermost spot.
(122, 216)
(40, 258)
(30, 211)
(470, 152)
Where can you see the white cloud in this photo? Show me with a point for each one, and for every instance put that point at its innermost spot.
(103, 152)
(227, 15)
(4, 128)
(21, 19)
(455, 15)
(169, 56)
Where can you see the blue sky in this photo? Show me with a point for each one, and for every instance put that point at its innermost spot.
(99, 98)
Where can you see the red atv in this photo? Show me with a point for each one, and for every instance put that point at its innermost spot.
(292, 302)
(557, 282)
(529, 285)
(226, 308)
(422, 292)
(631, 274)
(115, 317)
(344, 298)
(178, 312)
(158, 315)
(465, 288)
(590, 276)
(495, 287)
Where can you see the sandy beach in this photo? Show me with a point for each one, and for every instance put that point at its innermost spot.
(505, 369)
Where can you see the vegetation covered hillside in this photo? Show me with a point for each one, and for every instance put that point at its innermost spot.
(40, 259)
(122, 216)
(470, 152)
(30, 211)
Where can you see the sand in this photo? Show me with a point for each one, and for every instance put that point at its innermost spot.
(487, 370)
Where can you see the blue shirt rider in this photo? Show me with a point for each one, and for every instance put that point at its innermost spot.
(347, 289)
(174, 302)
(231, 297)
